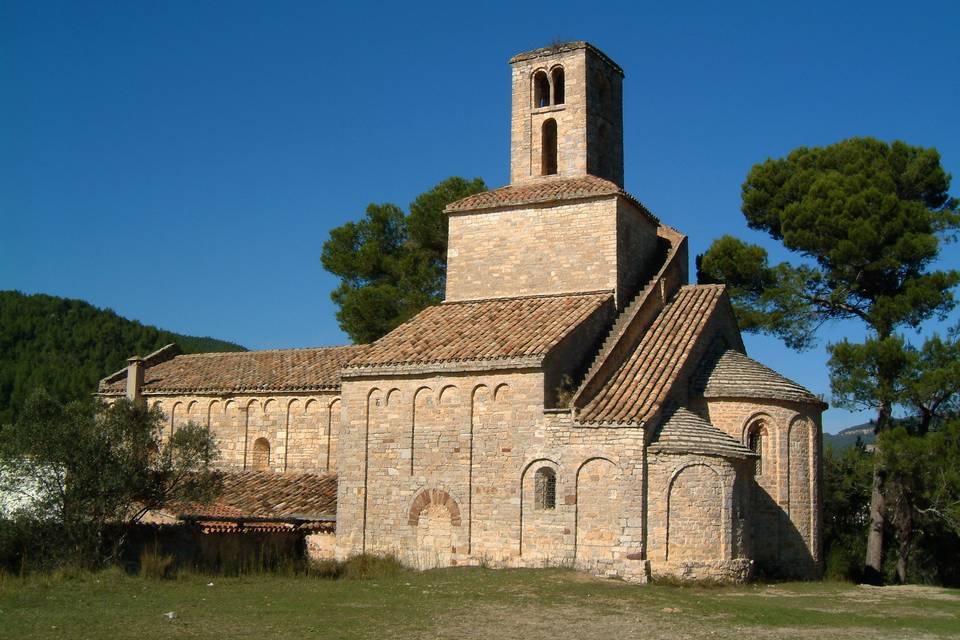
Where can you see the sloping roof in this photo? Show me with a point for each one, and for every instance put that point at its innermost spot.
(482, 330)
(275, 370)
(552, 189)
(264, 495)
(727, 373)
(683, 431)
(639, 387)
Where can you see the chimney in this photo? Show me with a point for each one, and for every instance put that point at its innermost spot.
(135, 368)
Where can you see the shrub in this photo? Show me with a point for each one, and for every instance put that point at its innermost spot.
(157, 566)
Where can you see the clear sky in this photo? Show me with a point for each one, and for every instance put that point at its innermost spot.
(182, 162)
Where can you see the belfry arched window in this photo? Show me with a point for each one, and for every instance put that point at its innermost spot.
(545, 489)
(756, 435)
(261, 455)
(548, 147)
(557, 75)
(541, 90)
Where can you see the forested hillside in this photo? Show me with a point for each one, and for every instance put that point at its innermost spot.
(67, 346)
(842, 440)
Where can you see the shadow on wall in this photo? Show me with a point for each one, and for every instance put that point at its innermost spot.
(779, 548)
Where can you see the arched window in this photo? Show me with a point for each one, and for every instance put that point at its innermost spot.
(261, 454)
(557, 74)
(545, 489)
(541, 90)
(548, 148)
(755, 436)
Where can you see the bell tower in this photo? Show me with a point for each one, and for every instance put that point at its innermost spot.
(567, 114)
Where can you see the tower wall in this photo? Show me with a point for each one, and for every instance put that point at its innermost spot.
(565, 248)
(589, 120)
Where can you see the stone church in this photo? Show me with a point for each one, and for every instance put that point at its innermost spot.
(574, 401)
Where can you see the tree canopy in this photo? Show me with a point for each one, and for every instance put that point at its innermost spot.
(867, 220)
(67, 346)
(87, 465)
(392, 264)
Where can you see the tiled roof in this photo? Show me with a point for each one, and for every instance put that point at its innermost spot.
(639, 387)
(728, 373)
(482, 330)
(264, 495)
(683, 431)
(276, 370)
(552, 189)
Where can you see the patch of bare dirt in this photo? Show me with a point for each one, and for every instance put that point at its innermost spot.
(603, 623)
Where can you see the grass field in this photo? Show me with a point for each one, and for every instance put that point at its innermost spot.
(462, 603)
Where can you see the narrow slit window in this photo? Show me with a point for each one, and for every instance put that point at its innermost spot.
(545, 489)
(548, 142)
(755, 443)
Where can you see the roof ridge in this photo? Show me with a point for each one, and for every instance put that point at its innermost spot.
(258, 351)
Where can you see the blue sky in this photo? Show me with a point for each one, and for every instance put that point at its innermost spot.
(183, 162)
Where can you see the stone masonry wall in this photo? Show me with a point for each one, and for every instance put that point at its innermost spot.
(786, 503)
(637, 251)
(440, 470)
(527, 120)
(565, 248)
(698, 507)
(297, 427)
(589, 121)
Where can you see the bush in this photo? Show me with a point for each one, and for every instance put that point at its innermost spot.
(157, 566)
(361, 567)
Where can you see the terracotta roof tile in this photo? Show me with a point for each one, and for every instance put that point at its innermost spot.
(275, 370)
(482, 330)
(551, 189)
(683, 431)
(728, 373)
(264, 494)
(639, 387)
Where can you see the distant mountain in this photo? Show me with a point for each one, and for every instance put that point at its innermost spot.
(848, 437)
(67, 346)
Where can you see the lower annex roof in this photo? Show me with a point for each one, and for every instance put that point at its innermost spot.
(264, 501)
(242, 371)
(683, 431)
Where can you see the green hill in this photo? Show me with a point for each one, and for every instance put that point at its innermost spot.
(67, 346)
(848, 437)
